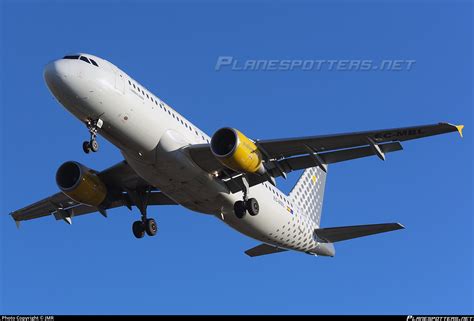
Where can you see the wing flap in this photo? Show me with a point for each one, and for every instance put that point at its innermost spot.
(302, 162)
(155, 198)
(337, 234)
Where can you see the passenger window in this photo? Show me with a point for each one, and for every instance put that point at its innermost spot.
(95, 64)
(85, 59)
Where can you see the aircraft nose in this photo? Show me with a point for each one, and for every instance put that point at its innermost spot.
(54, 72)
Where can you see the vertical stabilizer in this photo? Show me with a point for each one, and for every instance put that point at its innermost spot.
(308, 193)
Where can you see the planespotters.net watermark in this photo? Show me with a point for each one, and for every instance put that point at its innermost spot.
(230, 63)
(439, 318)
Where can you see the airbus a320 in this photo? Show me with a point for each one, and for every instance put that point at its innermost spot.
(170, 161)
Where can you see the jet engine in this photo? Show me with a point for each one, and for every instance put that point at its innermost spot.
(81, 184)
(237, 152)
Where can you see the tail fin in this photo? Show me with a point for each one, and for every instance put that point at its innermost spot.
(308, 193)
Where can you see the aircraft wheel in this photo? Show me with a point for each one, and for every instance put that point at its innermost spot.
(253, 207)
(138, 229)
(94, 145)
(151, 227)
(86, 147)
(240, 209)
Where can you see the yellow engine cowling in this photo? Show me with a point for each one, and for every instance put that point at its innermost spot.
(237, 152)
(81, 184)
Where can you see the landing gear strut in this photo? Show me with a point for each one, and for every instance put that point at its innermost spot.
(145, 225)
(249, 205)
(93, 126)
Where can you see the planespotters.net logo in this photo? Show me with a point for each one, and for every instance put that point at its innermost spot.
(231, 63)
(438, 318)
(27, 318)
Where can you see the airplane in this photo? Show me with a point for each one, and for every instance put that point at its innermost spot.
(170, 161)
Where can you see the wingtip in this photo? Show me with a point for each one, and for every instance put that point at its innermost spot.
(459, 128)
(401, 226)
(17, 223)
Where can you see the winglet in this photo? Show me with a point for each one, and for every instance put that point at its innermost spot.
(459, 128)
(16, 222)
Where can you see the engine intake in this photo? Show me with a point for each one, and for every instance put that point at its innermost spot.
(237, 152)
(81, 184)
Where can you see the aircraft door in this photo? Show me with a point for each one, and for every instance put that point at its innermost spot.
(119, 81)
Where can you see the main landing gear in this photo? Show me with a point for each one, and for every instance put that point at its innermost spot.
(145, 225)
(249, 205)
(93, 126)
(242, 207)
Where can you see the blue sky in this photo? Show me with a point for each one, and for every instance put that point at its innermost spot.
(196, 264)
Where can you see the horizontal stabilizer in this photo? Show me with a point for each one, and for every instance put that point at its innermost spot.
(337, 234)
(263, 249)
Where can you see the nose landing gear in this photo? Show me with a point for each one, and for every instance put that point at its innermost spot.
(93, 126)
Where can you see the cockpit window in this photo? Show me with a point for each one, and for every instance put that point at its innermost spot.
(85, 59)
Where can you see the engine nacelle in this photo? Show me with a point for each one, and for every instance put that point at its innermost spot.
(81, 184)
(237, 152)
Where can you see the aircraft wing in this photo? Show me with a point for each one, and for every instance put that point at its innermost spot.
(283, 156)
(120, 180)
(278, 148)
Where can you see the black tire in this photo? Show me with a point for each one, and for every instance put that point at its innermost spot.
(151, 227)
(138, 229)
(94, 145)
(240, 209)
(86, 147)
(253, 207)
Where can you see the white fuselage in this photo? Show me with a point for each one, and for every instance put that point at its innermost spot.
(151, 136)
